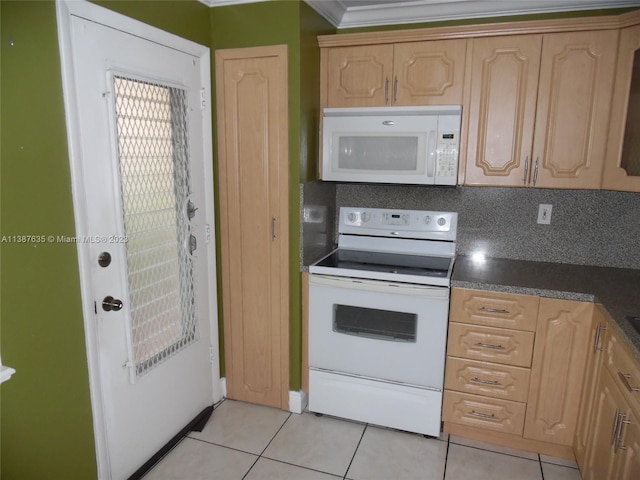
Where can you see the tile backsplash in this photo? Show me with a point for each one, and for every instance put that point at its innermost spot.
(588, 227)
(318, 220)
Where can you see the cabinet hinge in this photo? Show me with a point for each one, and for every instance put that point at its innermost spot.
(203, 99)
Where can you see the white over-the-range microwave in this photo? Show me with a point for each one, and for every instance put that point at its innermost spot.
(412, 145)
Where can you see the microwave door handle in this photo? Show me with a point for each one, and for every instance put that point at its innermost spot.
(431, 153)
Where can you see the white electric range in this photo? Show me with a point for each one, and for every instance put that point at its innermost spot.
(378, 315)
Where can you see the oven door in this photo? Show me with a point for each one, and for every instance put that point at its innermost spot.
(389, 331)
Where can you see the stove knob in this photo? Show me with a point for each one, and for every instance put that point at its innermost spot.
(442, 221)
(366, 217)
(427, 220)
(353, 217)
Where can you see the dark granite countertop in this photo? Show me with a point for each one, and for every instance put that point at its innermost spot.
(617, 289)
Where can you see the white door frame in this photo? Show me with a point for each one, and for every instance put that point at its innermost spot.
(65, 10)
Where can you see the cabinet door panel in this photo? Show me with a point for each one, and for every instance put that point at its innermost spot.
(359, 76)
(572, 117)
(629, 460)
(251, 86)
(502, 109)
(557, 371)
(622, 165)
(597, 340)
(429, 73)
(601, 457)
(625, 370)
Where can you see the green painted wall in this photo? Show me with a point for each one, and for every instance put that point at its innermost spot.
(295, 24)
(46, 423)
(46, 411)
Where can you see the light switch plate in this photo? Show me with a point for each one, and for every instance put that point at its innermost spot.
(544, 213)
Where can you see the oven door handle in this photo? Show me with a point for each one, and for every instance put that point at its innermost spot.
(379, 286)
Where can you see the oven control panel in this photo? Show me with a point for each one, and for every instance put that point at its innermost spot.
(390, 218)
(398, 223)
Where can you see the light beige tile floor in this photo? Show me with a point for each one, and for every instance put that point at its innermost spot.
(252, 442)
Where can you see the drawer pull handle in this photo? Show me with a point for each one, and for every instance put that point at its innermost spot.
(483, 415)
(596, 344)
(488, 345)
(625, 380)
(619, 445)
(614, 430)
(493, 310)
(486, 382)
(619, 422)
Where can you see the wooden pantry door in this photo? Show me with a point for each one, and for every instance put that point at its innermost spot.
(253, 167)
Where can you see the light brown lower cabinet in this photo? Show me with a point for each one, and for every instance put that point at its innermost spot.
(518, 386)
(557, 370)
(595, 357)
(608, 442)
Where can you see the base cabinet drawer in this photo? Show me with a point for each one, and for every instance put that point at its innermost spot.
(483, 412)
(490, 379)
(498, 345)
(494, 309)
(626, 373)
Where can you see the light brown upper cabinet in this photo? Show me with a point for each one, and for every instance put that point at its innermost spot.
(502, 109)
(539, 109)
(622, 167)
(412, 73)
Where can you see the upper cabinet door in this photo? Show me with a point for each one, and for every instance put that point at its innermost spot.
(359, 76)
(502, 107)
(429, 73)
(572, 117)
(622, 167)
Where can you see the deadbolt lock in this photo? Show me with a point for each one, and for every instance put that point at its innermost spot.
(104, 259)
(111, 304)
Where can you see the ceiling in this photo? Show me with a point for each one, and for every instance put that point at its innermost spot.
(364, 13)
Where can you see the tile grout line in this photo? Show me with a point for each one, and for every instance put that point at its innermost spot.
(208, 442)
(275, 434)
(541, 469)
(446, 458)
(366, 425)
(267, 446)
(499, 453)
(251, 468)
(301, 466)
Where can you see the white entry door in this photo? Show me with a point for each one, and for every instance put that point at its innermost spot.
(140, 141)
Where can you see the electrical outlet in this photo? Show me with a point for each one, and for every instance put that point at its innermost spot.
(544, 213)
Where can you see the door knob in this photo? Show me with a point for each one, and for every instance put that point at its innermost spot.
(111, 304)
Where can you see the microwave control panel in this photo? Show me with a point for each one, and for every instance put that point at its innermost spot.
(447, 148)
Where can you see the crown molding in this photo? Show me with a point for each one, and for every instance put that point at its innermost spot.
(394, 12)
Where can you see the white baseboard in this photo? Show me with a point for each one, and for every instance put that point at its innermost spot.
(223, 387)
(298, 401)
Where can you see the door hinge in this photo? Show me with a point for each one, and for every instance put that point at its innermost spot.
(203, 99)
